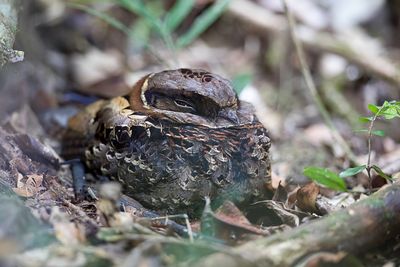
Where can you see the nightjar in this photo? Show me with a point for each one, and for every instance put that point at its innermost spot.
(179, 136)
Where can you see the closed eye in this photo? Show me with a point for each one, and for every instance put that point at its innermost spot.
(185, 104)
(189, 102)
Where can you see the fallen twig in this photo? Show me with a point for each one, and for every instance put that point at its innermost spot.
(268, 22)
(364, 225)
(311, 85)
(60, 190)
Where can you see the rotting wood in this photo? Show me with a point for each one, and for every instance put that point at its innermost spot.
(364, 225)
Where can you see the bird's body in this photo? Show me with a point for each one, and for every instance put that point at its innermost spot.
(179, 136)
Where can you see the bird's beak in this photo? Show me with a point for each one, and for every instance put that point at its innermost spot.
(230, 115)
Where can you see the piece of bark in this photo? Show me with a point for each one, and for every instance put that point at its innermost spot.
(364, 225)
(8, 28)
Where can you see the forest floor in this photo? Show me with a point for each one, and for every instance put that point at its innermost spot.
(330, 172)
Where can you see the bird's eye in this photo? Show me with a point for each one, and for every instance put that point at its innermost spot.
(184, 104)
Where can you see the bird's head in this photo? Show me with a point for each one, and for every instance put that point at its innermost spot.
(187, 96)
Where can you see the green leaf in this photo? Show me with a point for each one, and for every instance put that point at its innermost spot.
(178, 13)
(378, 133)
(365, 119)
(383, 108)
(381, 173)
(203, 22)
(326, 178)
(239, 82)
(352, 171)
(374, 109)
(391, 112)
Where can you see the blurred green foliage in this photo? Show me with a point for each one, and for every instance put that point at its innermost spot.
(154, 20)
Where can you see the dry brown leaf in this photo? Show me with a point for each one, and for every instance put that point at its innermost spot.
(229, 213)
(280, 194)
(292, 197)
(306, 197)
(28, 186)
(273, 213)
(229, 224)
(378, 181)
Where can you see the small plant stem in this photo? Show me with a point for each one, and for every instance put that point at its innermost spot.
(369, 149)
(312, 88)
(368, 167)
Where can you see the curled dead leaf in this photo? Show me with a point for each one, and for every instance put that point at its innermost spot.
(280, 194)
(291, 199)
(270, 213)
(229, 224)
(306, 197)
(28, 186)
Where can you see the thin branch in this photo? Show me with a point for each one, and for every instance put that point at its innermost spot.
(371, 126)
(311, 85)
(366, 224)
(265, 21)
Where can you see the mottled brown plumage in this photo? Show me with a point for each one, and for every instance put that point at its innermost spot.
(179, 136)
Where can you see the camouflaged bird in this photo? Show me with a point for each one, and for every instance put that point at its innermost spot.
(179, 136)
